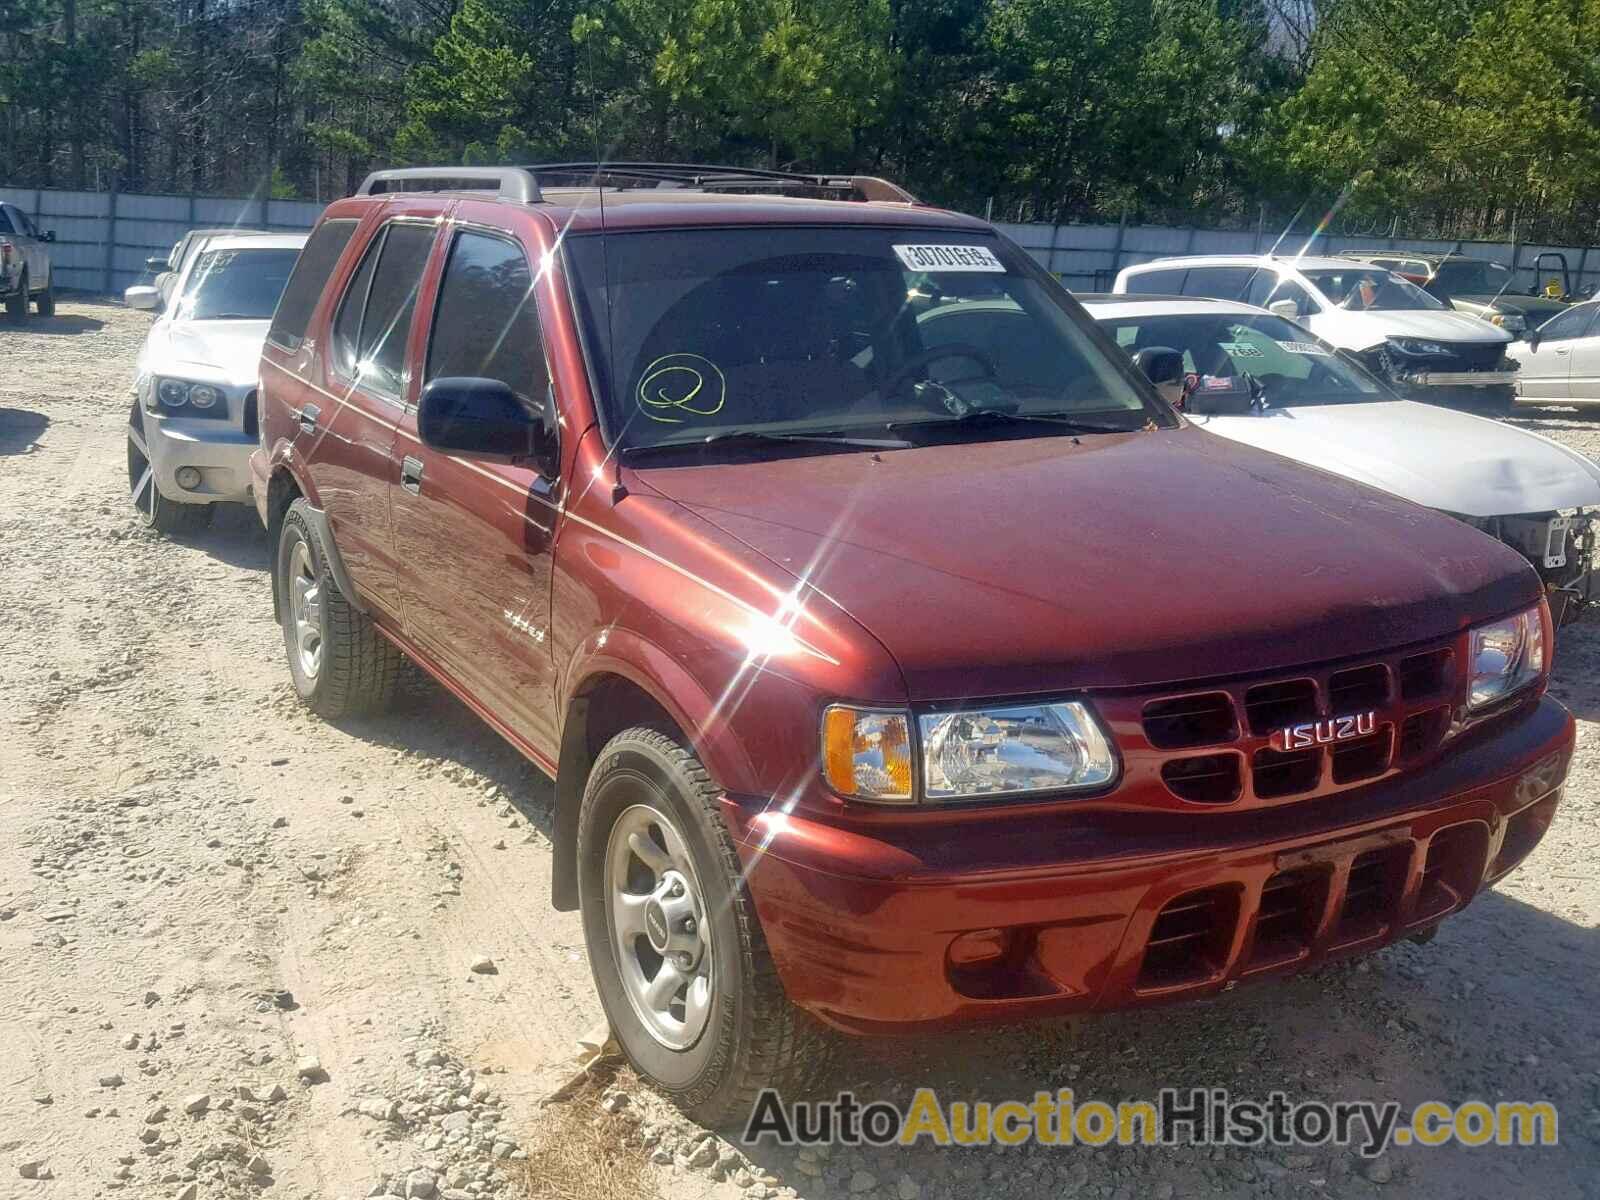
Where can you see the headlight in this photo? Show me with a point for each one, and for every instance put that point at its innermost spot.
(203, 395)
(866, 754)
(1507, 656)
(1417, 348)
(1003, 751)
(1510, 322)
(174, 393)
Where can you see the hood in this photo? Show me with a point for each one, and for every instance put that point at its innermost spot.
(1438, 458)
(1027, 566)
(216, 351)
(1362, 330)
(1535, 308)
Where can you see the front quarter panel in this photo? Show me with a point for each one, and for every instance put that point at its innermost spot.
(741, 655)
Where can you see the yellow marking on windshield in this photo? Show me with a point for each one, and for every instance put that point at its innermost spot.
(681, 374)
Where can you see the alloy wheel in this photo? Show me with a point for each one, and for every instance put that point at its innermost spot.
(660, 936)
(305, 609)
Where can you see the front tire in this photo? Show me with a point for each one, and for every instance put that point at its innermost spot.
(17, 302)
(677, 951)
(167, 517)
(45, 301)
(341, 665)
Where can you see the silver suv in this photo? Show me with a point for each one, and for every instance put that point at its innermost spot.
(24, 265)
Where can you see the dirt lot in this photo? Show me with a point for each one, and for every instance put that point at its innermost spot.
(202, 888)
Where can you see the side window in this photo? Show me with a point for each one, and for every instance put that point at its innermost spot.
(375, 316)
(1574, 323)
(20, 222)
(487, 323)
(1219, 283)
(1157, 282)
(5, 219)
(1268, 287)
(345, 344)
(304, 289)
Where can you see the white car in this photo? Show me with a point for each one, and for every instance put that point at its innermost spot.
(1421, 346)
(1561, 359)
(1252, 376)
(193, 423)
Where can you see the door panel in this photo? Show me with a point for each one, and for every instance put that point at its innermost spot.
(349, 437)
(1584, 373)
(1546, 372)
(473, 537)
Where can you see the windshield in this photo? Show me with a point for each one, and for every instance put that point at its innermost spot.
(1369, 289)
(1472, 278)
(840, 331)
(236, 284)
(1291, 367)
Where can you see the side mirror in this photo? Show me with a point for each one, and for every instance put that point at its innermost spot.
(142, 296)
(49, 235)
(157, 264)
(484, 418)
(1289, 310)
(1160, 364)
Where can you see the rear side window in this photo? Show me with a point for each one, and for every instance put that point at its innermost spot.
(1218, 283)
(311, 271)
(1158, 282)
(5, 221)
(375, 315)
(487, 324)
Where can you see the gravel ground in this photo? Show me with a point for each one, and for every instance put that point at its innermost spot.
(242, 947)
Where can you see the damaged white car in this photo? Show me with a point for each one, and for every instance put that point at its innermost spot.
(1254, 377)
(193, 422)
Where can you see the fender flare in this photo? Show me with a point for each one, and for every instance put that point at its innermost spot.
(283, 459)
(626, 655)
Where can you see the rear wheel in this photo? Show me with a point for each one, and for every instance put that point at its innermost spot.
(45, 301)
(167, 517)
(17, 302)
(341, 665)
(677, 951)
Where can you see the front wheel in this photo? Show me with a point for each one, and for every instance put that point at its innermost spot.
(677, 951)
(167, 517)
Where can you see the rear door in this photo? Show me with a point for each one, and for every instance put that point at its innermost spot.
(33, 247)
(1546, 370)
(345, 433)
(474, 538)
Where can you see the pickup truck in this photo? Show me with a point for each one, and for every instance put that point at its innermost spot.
(887, 683)
(25, 276)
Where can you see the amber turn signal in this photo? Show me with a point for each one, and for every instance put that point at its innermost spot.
(866, 754)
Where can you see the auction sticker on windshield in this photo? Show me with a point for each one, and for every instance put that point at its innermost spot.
(950, 258)
(1304, 348)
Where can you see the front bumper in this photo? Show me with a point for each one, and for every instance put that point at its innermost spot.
(1137, 907)
(218, 449)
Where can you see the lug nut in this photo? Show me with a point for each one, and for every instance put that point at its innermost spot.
(677, 887)
(684, 962)
(688, 925)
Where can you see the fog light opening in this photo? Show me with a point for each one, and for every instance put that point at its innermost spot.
(188, 477)
(980, 948)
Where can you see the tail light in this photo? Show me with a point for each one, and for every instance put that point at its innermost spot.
(5, 252)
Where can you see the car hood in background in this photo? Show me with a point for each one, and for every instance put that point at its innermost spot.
(1046, 564)
(1361, 330)
(1441, 459)
(1536, 308)
(210, 351)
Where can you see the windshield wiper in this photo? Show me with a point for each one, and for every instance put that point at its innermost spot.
(1005, 416)
(758, 437)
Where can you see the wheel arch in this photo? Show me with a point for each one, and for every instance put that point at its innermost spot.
(613, 695)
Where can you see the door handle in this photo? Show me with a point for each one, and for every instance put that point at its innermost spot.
(307, 416)
(411, 475)
(1563, 351)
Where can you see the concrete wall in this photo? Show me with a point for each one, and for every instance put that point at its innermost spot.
(103, 238)
(1088, 257)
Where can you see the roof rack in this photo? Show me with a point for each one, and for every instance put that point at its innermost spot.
(522, 184)
(509, 183)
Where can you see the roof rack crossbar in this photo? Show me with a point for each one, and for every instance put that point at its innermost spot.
(509, 183)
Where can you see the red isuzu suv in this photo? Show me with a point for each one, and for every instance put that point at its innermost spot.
(900, 658)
